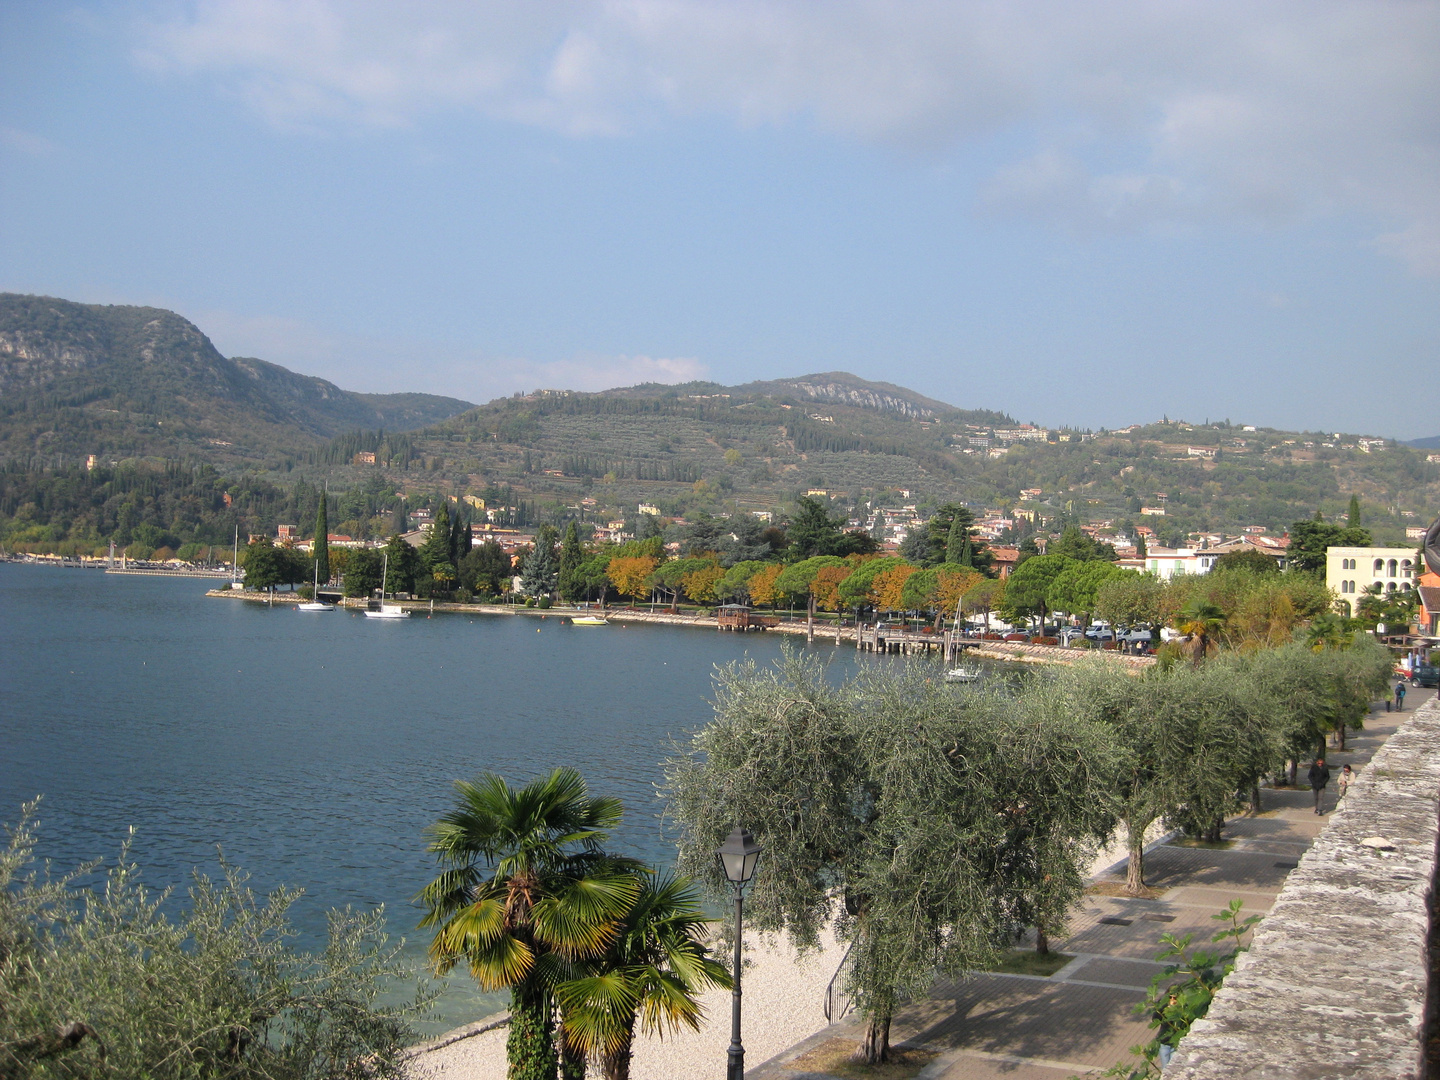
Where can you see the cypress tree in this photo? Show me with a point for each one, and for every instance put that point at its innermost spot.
(957, 543)
(436, 550)
(322, 542)
(459, 537)
(1354, 514)
(400, 522)
(967, 554)
(571, 555)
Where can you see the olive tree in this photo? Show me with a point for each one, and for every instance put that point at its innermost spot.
(922, 820)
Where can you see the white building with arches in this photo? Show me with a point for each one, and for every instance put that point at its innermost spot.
(1349, 571)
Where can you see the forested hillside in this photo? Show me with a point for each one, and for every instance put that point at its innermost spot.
(121, 382)
(147, 393)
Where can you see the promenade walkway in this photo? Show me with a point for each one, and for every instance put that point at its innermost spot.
(1082, 1019)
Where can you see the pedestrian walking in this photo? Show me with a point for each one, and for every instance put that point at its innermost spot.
(1347, 777)
(1400, 696)
(1319, 777)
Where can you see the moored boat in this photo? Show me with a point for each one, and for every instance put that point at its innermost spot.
(962, 675)
(378, 609)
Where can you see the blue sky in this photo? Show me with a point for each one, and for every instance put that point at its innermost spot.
(1080, 214)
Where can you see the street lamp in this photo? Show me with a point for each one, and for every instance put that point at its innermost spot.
(738, 856)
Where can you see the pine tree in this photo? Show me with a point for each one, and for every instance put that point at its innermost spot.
(1354, 515)
(539, 571)
(322, 543)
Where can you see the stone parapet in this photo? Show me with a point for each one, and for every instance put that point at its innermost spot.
(1335, 983)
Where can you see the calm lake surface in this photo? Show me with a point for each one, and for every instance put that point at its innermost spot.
(314, 749)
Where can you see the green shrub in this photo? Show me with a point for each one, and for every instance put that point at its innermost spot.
(102, 983)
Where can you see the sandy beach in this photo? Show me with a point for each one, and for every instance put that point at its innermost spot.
(783, 1004)
(784, 999)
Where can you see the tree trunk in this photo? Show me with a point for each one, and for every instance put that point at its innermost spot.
(1042, 941)
(615, 1064)
(876, 1047)
(572, 1058)
(1255, 798)
(1342, 736)
(530, 1044)
(1135, 865)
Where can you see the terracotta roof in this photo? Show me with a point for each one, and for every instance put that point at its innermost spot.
(1430, 597)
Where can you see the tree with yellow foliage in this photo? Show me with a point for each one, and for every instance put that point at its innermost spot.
(700, 584)
(630, 574)
(890, 587)
(826, 586)
(952, 582)
(762, 585)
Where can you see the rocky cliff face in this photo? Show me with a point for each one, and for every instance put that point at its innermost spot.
(862, 397)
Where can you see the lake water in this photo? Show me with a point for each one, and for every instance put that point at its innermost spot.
(314, 749)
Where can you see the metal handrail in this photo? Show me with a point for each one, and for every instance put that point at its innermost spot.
(838, 1003)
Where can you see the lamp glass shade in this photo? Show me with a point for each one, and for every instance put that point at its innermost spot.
(738, 855)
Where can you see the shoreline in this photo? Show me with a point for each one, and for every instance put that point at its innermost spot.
(1003, 651)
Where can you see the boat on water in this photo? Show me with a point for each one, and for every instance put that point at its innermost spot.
(317, 604)
(589, 620)
(962, 675)
(378, 609)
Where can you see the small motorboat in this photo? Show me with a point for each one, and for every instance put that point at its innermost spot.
(962, 675)
(589, 620)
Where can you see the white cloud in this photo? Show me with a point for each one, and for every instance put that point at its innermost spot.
(374, 365)
(1138, 113)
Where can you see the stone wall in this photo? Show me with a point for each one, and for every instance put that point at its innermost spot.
(1335, 982)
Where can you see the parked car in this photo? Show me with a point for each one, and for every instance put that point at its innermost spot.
(1136, 637)
(1100, 633)
(1069, 634)
(1426, 675)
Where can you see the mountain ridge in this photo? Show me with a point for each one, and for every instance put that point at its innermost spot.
(123, 379)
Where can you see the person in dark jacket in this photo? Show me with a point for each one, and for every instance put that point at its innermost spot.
(1319, 777)
(1400, 696)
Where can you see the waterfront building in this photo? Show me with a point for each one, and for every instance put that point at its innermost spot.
(1349, 571)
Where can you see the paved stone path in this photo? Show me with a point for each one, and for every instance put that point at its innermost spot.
(1019, 1027)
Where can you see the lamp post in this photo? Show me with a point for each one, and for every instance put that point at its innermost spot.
(738, 856)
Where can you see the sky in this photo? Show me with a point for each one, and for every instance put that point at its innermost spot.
(1080, 214)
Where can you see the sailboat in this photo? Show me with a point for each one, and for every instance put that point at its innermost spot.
(317, 604)
(378, 609)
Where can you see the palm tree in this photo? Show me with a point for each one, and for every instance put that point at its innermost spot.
(526, 892)
(1201, 621)
(654, 966)
(1326, 631)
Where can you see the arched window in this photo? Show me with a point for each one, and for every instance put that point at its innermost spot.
(1393, 567)
(1390, 586)
(1379, 566)
(1405, 568)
